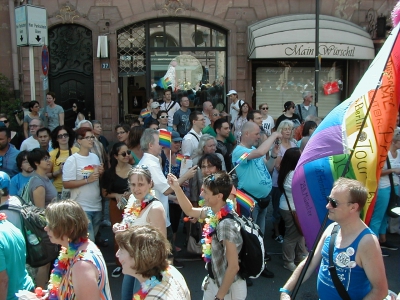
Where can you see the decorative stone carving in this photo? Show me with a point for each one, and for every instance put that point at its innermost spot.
(173, 7)
(68, 14)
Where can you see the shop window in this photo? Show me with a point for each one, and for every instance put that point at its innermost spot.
(278, 84)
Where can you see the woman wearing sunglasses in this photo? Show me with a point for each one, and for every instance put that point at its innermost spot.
(62, 140)
(288, 114)
(115, 187)
(293, 247)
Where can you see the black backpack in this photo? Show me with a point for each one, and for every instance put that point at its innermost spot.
(39, 249)
(251, 257)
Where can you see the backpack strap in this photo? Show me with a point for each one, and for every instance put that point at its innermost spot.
(332, 269)
(194, 136)
(299, 109)
(170, 106)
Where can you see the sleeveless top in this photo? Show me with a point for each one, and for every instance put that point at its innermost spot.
(132, 220)
(351, 275)
(94, 256)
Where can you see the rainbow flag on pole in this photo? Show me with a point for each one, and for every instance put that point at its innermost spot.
(244, 200)
(179, 157)
(242, 158)
(144, 114)
(165, 138)
(352, 141)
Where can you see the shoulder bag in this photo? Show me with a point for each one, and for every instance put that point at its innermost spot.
(294, 215)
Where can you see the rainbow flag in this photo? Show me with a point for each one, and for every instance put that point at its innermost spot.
(179, 157)
(352, 141)
(244, 200)
(165, 138)
(242, 158)
(164, 83)
(145, 113)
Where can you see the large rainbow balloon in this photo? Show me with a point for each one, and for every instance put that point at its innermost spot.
(325, 158)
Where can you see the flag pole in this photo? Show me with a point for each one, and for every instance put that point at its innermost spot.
(345, 170)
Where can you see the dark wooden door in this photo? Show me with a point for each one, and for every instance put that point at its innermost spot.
(71, 68)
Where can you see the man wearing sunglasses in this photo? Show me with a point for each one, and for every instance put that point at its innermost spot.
(357, 256)
(8, 153)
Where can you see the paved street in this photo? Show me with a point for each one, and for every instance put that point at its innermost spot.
(263, 288)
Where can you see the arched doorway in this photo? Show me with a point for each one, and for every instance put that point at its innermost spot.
(71, 68)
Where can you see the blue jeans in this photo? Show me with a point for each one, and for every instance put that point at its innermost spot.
(276, 198)
(130, 286)
(379, 218)
(258, 216)
(94, 223)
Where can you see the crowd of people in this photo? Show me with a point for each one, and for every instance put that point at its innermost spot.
(70, 172)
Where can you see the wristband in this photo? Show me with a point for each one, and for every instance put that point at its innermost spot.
(282, 290)
(216, 298)
(273, 157)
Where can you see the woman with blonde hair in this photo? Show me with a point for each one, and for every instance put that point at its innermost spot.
(142, 209)
(80, 271)
(143, 253)
(286, 129)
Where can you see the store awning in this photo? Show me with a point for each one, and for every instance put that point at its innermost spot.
(293, 36)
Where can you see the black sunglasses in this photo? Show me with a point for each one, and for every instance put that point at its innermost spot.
(333, 202)
(123, 154)
(265, 108)
(64, 135)
(5, 121)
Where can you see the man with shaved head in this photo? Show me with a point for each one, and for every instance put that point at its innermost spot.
(254, 172)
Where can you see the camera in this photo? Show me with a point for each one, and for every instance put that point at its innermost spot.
(17, 111)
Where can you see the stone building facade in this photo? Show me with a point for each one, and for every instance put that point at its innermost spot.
(208, 39)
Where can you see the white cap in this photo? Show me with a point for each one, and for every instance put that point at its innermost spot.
(231, 92)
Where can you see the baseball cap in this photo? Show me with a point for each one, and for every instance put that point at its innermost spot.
(4, 180)
(155, 105)
(176, 137)
(231, 92)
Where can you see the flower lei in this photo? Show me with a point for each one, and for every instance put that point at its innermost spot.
(134, 210)
(3, 216)
(61, 266)
(147, 285)
(211, 223)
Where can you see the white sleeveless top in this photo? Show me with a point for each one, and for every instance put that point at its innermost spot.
(142, 219)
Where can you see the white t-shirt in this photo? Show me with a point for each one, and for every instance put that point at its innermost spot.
(160, 182)
(171, 107)
(288, 189)
(190, 143)
(384, 181)
(234, 112)
(78, 167)
(29, 144)
(268, 124)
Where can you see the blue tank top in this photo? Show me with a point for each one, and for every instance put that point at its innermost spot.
(351, 275)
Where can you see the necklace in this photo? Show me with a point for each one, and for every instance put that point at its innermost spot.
(61, 266)
(211, 223)
(150, 283)
(133, 212)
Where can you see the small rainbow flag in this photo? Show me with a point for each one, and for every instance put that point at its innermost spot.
(145, 113)
(244, 200)
(242, 158)
(179, 157)
(165, 138)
